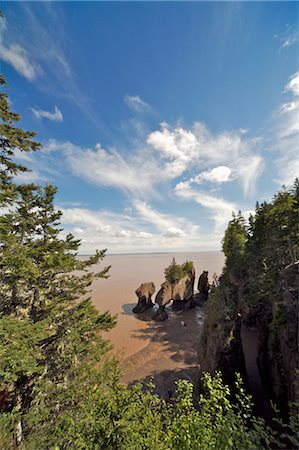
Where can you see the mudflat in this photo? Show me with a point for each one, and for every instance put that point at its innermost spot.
(163, 351)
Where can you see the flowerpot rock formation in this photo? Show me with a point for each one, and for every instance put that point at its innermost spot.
(144, 294)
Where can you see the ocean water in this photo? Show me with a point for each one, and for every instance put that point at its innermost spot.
(117, 293)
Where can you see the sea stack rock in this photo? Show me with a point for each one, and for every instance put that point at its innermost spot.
(180, 291)
(183, 291)
(163, 297)
(144, 294)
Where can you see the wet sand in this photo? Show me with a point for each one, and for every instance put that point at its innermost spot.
(166, 351)
(170, 353)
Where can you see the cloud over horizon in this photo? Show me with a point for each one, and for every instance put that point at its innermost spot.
(143, 228)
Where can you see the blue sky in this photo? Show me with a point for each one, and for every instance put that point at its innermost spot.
(157, 119)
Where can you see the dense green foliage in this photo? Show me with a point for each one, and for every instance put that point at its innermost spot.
(48, 334)
(59, 388)
(260, 284)
(174, 272)
(122, 418)
(262, 258)
(273, 242)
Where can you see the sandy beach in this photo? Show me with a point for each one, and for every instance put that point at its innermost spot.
(163, 351)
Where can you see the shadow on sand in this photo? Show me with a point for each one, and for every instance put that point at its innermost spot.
(146, 316)
(171, 352)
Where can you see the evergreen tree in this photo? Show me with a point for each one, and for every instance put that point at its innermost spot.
(233, 246)
(12, 139)
(48, 326)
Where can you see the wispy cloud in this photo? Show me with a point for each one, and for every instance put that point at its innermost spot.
(221, 209)
(166, 155)
(108, 167)
(287, 134)
(288, 37)
(293, 84)
(291, 39)
(135, 103)
(48, 57)
(143, 229)
(167, 225)
(98, 229)
(15, 54)
(55, 116)
(249, 170)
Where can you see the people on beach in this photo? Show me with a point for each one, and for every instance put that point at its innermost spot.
(203, 285)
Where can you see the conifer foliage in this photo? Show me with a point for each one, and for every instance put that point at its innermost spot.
(46, 329)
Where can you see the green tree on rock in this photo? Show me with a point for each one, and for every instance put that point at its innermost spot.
(233, 246)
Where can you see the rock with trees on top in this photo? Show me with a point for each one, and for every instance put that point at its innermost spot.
(178, 287)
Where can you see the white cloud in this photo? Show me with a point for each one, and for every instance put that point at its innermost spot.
(15, 55)
(169, 226)
(55, 116)
(49, 58)
(288, 37)
(134, 174)
(289, 111)
(179, 146)
(287, 135)
(288, 162)
(145, 230)
(135, 103)
(249, 170)
(293, 84)
(32, 176)
(221, 209)
(220, 174)
(186, 150)
(290, 40)
(289, 107)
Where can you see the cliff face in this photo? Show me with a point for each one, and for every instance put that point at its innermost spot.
(221, 349)
(277, 327)
(261, 282)
(276, 323)
(220, 344)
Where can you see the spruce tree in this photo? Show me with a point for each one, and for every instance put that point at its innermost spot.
(12, 139)
(48, 326)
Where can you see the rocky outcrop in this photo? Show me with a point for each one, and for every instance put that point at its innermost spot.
(221, 349)
(144, 294)
(181, 292)
(220, 343)
(277, 328)
(160, 315)
(275, 318)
